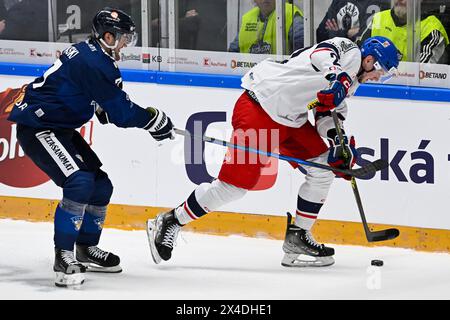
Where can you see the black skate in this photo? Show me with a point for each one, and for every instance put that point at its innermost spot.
(301, 242)
(162, 233)
(69, 272)
(97, 260)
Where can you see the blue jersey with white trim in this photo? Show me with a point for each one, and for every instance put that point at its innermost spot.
(83, 79)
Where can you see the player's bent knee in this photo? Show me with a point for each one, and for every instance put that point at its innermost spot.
(216, 194)
(103, 191)
(227, 191)
(98, 211)
(73, 207)
(320, 177)
(202, 188)
(79, 187)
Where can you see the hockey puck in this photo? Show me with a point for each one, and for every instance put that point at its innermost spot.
(377, 263)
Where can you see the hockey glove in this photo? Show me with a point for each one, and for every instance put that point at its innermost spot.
(337, 158)
(160, 126)
(333, 96)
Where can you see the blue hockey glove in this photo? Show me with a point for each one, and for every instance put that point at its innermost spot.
(333, 96)
(336, 157)
(160, 126)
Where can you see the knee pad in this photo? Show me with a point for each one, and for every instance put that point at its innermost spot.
(79, 187)
(96, 210)
(319, 176)
(207, 197)
(317, 184)
(218, 193)
(103, 190)
(73, 207)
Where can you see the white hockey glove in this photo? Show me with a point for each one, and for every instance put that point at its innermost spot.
(160, 125)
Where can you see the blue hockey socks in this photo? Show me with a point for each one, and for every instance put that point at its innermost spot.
(67, 226)
(92, 226)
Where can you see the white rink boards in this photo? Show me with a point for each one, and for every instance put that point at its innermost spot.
(411, 135)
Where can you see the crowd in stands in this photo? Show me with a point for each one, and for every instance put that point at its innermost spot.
(202, 25)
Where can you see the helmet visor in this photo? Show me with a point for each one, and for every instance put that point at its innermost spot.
(130, 39)
(387, 74)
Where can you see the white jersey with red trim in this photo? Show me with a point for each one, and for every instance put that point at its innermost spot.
(285, 89)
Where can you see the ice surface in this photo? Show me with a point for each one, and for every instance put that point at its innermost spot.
(208, 267)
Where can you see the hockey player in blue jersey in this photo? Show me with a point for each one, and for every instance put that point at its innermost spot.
(83, 81)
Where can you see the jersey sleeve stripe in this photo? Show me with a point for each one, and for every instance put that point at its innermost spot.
(327, 46)
(324, 49)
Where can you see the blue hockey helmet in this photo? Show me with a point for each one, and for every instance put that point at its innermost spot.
(116, 22)
(384, 52)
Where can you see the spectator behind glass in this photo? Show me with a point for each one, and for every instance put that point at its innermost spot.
(3, 17)
(188, 25)
(349, 19)
(392, 24)
(210, 33)
(188, 29)
(257, 34)
(73, 32)
(27, 20)
(441, 9)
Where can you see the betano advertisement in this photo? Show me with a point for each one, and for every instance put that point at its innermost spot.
(412, 136)
(225, 63)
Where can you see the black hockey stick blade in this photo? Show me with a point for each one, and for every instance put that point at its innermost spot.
(382, 235)
(370, 168)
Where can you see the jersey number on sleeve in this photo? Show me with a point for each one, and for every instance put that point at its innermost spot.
(336, 59)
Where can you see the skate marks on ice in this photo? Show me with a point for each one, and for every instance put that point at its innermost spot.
(213, 267)
(253, 266)
(27, 278)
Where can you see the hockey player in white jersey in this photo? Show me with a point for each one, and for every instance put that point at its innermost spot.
(276, 99)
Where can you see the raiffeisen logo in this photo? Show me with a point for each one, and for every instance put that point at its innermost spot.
(16, 169)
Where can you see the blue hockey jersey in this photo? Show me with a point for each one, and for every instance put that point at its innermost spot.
(83, 79)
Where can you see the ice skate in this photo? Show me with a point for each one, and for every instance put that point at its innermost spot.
(302, 250)
(97, 260)
(162, 233)
(69, 272)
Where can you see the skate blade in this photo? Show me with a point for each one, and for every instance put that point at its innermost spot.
(92, 267)
(293, 260)
(71, 281)
(151, 232)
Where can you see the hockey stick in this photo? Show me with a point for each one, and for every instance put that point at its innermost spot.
(360, 172)
(371, 236)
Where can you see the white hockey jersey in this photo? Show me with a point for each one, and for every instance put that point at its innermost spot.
(285, 89)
